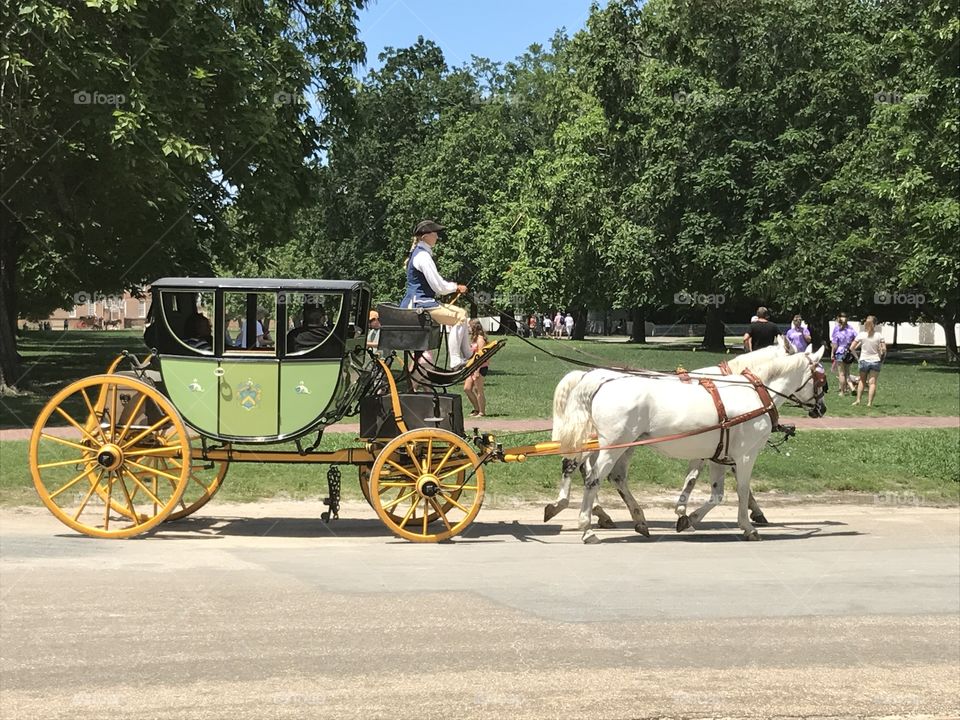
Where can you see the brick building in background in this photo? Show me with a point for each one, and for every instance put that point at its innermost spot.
(97, 312)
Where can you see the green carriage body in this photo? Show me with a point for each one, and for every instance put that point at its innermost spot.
(231, 390)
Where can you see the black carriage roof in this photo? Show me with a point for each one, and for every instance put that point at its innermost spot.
(255, 284)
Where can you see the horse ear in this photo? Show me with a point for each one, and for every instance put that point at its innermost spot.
(818, 354)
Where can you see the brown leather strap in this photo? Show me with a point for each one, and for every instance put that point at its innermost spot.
(725, 368)
(769, 405)
(720, 454)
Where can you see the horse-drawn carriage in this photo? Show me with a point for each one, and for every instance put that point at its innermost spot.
(152, 441)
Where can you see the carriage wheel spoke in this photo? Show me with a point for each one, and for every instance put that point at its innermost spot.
(171, 451)
(93, 417)
(441, 513)
(413, 507)
(133, 416)
(412, 452)
(68, 443)
(452, 501)
(447, 486)
(426, 513)
(402, 469)
(113, 415)
(397, 484)
(77, 425)
(154, 471)
(129, 499)
(429, 456)
(144, 433)
(443, 460)
(151, 495)
(62, 463)
(455, 471)
(106, 501)
(70, 483)
(86, 498)
(393, 503)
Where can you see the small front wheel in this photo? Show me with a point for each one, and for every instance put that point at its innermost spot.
(424, 475)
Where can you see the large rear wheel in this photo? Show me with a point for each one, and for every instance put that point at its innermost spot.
(425, 475)
(107, 456)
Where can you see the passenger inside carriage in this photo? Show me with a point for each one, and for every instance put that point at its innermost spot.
(197, 332)
(313, 332)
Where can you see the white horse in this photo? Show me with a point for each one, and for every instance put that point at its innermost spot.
(622, 409)
(780, 348)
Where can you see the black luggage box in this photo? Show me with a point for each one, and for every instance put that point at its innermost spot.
(419, 410)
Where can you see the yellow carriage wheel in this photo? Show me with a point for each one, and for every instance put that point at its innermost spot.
(206, 478)
(433, 516)
(89, 456)
(422, 473)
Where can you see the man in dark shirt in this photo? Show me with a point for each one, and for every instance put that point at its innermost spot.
(761, 333)
(313, 331)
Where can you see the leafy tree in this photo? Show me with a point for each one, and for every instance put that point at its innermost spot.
(131, 128)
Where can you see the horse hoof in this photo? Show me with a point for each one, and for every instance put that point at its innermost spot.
(683, 522)
(550, 511)
(590, 538)
(759, 519)
(752, 535)
(605, 522)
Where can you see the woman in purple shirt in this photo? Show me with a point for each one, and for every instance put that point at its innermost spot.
(798, 334)
(840, 340)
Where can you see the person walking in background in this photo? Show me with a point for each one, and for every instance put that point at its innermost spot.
(547, 325)
(798, 334)
(568, 325)
(840, 340)
(761, 333)
(473, 385)
(873, 351)
(558, 325)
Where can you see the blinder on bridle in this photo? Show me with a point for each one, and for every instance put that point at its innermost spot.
(817, 408)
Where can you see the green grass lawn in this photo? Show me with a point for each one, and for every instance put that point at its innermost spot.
(897, 466)
(915, 381)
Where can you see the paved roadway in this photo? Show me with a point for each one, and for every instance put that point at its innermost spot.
(261, 611)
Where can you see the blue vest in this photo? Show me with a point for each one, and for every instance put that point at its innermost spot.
(419, 293)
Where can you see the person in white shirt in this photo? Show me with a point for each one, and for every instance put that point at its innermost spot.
(424, 284)
(568, 325)
(873, 350)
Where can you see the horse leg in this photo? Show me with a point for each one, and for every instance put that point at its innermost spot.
(756, 514)
(743, 471)
(568, 466)
(716, 497)
(693, 472)
(600, 467)
(619, 478)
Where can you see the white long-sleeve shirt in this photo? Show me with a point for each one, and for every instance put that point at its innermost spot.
(425, 264)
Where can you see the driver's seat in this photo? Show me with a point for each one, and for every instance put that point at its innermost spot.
(411, 330)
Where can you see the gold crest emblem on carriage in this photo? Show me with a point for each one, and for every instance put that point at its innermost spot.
(248, 394)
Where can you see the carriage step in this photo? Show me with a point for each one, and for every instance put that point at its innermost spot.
(333, 501)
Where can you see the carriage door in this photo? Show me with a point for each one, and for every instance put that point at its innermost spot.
(249, 379)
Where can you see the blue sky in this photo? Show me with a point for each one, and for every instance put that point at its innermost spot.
(496, 29)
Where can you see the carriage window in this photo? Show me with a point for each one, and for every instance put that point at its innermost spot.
(311, 320)
(359, 305)
(249, 322)
(189, 316)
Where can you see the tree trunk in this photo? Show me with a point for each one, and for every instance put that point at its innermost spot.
(9, 251)
(949, 324)
(820, 332)
(639, 332)
(713, 334)
(579, 323)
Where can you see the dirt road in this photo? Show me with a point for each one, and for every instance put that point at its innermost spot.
(261, 611)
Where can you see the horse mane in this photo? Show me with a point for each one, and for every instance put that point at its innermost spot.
(738, 364)
(776, 368)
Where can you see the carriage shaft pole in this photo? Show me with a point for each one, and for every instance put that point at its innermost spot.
(347, 456)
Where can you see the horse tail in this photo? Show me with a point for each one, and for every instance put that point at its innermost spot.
(577, 426)
(560, 397)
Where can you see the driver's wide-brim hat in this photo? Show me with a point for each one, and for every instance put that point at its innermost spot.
(427, 226)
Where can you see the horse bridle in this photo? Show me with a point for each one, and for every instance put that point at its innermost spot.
(819, 379)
